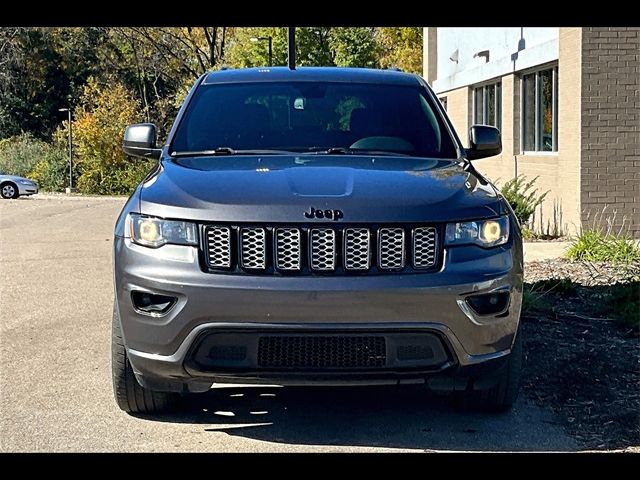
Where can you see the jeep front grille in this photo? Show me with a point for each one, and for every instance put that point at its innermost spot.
(321, 250)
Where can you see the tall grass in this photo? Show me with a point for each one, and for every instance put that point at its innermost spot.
(598, 243)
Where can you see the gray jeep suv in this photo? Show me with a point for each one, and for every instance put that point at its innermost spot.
(315, 226)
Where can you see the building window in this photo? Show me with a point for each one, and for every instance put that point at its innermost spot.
(443, 101)
(487, 105)
(540, 111)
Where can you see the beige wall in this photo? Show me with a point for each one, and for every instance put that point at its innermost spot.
(430, 56)
(458, 111)
(558, 173)
(501, 168)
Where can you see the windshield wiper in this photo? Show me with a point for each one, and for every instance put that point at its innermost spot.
(352, 151)
(220, 151)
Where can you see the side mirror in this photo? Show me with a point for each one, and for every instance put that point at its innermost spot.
(485, 141)
(140, 141)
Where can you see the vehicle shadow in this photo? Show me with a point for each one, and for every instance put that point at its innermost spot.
(393, 417)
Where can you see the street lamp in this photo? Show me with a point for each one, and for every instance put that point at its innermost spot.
(270, 40)
(68, 110)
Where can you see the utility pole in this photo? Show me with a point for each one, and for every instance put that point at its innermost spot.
(292, 48)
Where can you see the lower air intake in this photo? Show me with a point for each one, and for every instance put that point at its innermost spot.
(322, 352)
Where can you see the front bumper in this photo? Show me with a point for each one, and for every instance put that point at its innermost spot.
(27, 189)
(161, 348)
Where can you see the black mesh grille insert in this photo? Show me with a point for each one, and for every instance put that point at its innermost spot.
(322, 351)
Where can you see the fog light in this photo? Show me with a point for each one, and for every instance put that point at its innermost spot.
(152, 303)
(489, 303)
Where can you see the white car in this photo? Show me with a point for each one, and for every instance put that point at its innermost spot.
(12, 186)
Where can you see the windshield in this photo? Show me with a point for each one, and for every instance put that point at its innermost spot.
(312, 117)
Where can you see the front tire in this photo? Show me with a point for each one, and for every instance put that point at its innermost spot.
(9, 190)
(501, 396)
(129, 394)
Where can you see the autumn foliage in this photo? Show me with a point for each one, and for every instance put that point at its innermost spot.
(100, 120)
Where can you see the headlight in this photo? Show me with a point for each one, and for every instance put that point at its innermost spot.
(26, 182)
(486, 233)
(155, 232)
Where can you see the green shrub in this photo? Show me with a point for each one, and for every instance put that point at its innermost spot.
(523, 198)
(52, 172)
(20, 154)
(527, 233)
(113, 179)
(594, 245)
(28, 157)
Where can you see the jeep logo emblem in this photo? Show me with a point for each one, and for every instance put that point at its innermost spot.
(334, 215)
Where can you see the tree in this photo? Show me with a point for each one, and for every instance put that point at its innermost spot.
(30, 93)
(100, 120)
(354, 47)
(315, 46)
(191, 50)
(401, 47)
(131, 58)
(44, 69)
(10, 59)
(160, 64)
(312, 47)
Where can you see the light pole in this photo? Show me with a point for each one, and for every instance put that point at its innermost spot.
(68, 110)
(270, 40)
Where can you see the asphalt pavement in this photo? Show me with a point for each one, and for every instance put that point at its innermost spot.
(56, 294)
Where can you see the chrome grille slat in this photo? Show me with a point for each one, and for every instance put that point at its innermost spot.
(219, 246)
(391, 255)
(424, 247)
(253, 248)
(322, 248)
(287, 247)
(357, 246)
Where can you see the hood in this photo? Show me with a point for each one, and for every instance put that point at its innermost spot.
(14, 178)
(280, 188)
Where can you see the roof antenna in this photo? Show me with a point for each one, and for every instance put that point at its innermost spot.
(292, 48)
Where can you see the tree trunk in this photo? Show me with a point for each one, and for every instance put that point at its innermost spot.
(212, 47)
(224, 36)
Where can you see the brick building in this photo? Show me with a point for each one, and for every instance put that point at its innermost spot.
(567, 101)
